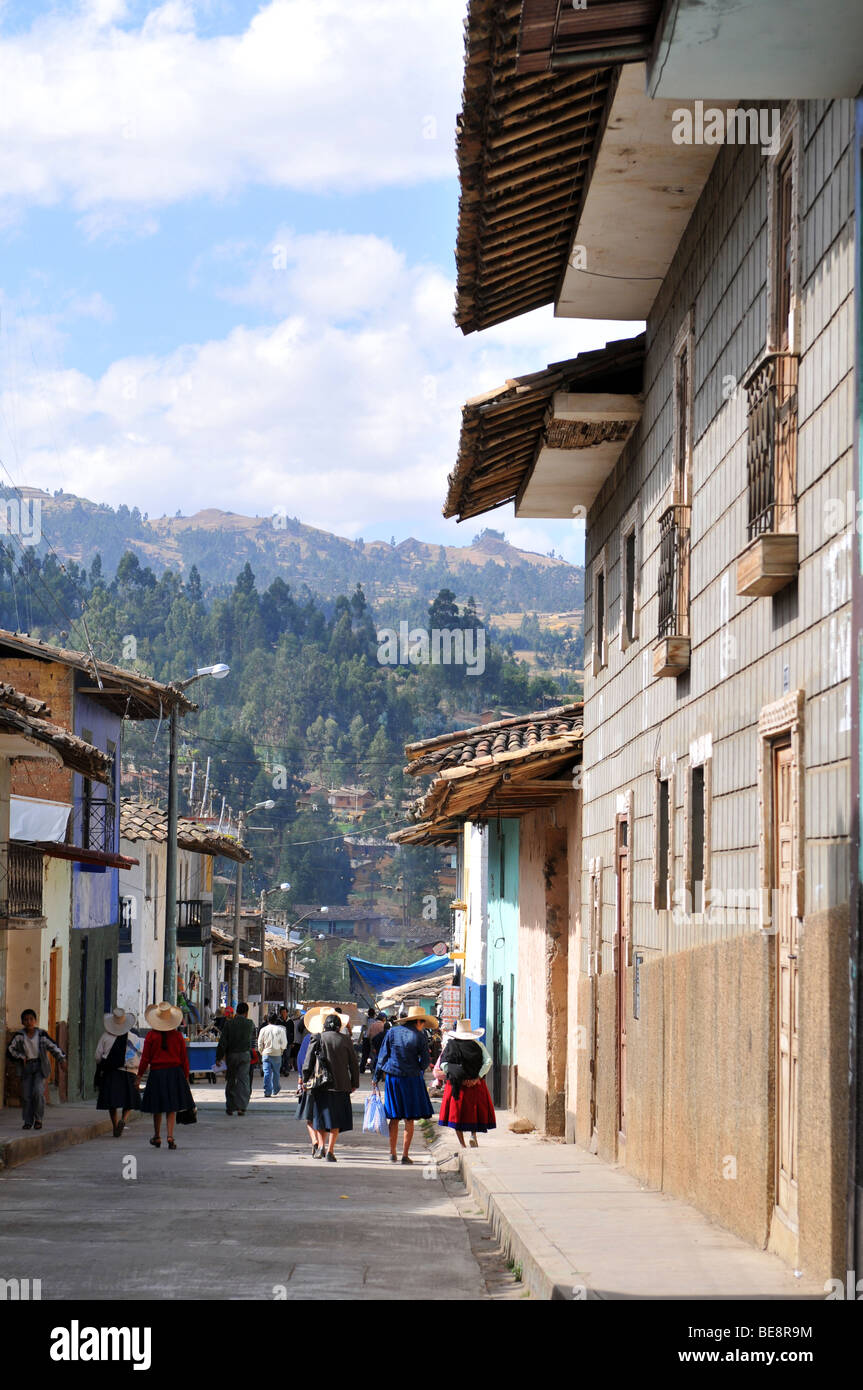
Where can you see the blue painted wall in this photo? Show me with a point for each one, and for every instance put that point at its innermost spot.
(95, 894)
(475, 1002)
(503, 920)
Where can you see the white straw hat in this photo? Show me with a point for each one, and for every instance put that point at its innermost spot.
(119, 1022)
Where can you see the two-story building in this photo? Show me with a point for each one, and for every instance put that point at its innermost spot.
(709, 457)
(144, 835)
(79, 824)
(36, 885)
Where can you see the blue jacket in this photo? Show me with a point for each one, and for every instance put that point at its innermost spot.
(404, 1052)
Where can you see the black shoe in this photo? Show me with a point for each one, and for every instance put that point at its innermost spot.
(393, 1158)
(331, 1158)
(229, 1112)
(319, 1153)
(37, 1124)
(241, 1112)
(405, 1159)
(26, 1126)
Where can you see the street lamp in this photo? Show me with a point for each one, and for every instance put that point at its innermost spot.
(169, 973)
(238, 894)
(265, 893)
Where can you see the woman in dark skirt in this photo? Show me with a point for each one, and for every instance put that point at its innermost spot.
(403, 1058)
(168, 1060)
(466, 1103)
(328, 1108)
(118, 1053)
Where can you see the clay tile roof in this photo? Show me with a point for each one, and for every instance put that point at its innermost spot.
(506, 769)
(26, 717)
(145, 820)
(469, 747)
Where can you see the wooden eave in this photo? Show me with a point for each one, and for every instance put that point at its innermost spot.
(524, 141)
(551, 30)
(123, 692)
(40, 733)
(503, 431)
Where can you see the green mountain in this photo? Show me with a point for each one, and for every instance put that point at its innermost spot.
(399, 580)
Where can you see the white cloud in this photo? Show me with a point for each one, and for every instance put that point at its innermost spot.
(329, 95)
(345, 409)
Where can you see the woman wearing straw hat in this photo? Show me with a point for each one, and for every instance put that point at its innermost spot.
(118, 1053)
(304, 1097)
(403, 1058)
(166, 1056)
(328, 1110)
(466, 1103)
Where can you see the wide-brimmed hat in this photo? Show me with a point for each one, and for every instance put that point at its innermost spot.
(417, 1014)
(163, 1017)
(464, 1029)
(118, 1022)
(316, 1018)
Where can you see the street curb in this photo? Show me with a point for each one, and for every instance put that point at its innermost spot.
(547, 1273)
(14, 1152)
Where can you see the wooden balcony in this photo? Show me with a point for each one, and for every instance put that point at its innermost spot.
(194, 921)
(671, 653)
(22, 905)
(770, 559)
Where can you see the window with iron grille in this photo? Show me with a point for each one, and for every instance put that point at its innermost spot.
(673, 585)
(23, 887)
(599, 611)
(771, 445)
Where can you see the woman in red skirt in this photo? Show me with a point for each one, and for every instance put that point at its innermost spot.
(466, 1103)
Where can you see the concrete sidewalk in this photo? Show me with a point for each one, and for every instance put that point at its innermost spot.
(581, 1228)
(63, 1125)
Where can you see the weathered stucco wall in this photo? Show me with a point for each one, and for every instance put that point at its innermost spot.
(543, 985)
(577, 1024)
(700, 1079)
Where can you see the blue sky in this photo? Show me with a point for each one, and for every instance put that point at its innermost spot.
(227, 262)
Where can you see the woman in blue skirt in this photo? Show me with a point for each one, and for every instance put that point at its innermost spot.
(403, 1058)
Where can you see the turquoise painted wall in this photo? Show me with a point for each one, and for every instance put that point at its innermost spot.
(502, 956)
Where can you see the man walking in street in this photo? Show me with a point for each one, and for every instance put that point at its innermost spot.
(29, 1051)
(376, 1027)
(288, 1024)
(236, 1041)
(272, 1044)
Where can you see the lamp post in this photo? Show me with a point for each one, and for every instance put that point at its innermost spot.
(238, 896)
(265, 893)
(169, 972)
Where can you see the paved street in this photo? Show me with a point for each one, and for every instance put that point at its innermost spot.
(239, 1210)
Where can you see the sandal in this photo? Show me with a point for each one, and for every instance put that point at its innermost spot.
(157, 1143)
(171, 1144)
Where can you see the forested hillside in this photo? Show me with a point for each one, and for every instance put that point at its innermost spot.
(307, 701)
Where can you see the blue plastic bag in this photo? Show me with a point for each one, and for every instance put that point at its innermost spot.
(375, 1118)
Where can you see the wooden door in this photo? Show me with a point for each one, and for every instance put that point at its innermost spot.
(594, 967)
(622, 961)
(786, 994)
(496, 1044)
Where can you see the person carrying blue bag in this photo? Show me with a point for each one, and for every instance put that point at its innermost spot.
(403, 1058)
(375, 1116)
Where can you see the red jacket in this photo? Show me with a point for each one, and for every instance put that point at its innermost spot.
(158, 1057)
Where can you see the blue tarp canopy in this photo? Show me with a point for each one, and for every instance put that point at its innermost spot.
(367, 976)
